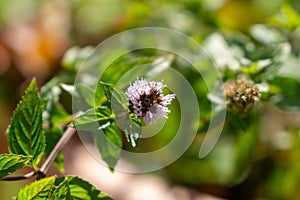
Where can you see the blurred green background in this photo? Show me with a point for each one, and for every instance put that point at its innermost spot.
(255, 159)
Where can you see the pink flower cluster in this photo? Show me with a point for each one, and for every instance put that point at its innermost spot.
(147, 101)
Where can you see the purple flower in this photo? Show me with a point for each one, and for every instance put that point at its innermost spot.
(147, 101)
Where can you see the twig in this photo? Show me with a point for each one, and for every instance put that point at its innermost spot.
(16, 178)
(43, 170)
(61, 143)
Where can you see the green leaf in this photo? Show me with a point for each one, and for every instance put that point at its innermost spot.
(25, 133)
(54, 113)
(83, 95)
(109, 143)
(37, 190)
(111, 92)
(10, 163)
(74, 56)
(288, 97)
(62, 191)
(132, 129)
(52, 137)
(80, 189)
(101, 115)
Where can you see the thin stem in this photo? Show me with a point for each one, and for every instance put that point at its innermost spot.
(61, 143)
(43, 170)
(16, 178)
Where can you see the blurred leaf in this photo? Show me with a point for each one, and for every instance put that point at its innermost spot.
(286, 18)
(223, 54)
(246, 140)
(59, 115)
(288, 97)
(109, 143)
(75, 56)
(266, 73)
(264, 52)
(10, 163)
(260, 31)
(83, 95)
(100, 115)
(54, 113)
(37, 190)
(25, 133)
(52, 137)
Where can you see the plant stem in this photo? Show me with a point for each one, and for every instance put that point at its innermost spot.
(58, 147)
(43, 170)
(16, 178)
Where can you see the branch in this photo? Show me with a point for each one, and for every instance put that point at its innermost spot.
(16, 178)
(58, 147)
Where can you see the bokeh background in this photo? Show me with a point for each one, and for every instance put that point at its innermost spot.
(35, 34)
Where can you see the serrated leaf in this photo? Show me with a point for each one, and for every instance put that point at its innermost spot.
(52, 137)
(100, 115)
(82, 190)
(62, 191)
(25, 133)
(40, 189)
(10, 163)
(109, 143)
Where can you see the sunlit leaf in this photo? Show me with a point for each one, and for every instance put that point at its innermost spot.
(25, 133)
(10, 163)
(37, 190)
(80, 189)
(62, 190)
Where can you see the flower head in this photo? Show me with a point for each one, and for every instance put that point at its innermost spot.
(242, 94)
(147, 101)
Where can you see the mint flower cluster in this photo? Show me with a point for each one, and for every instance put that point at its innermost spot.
(147, 101)
(242, 94)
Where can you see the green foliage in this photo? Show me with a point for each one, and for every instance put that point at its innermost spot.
(80, 189)
(109, 143)
(131, 125)
(266, 53)
(10, 163)
(52, 137)
(63, 188)
(100, 115)
(37, 190)
(67, 188)
(25, 133)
